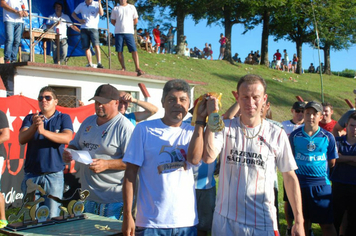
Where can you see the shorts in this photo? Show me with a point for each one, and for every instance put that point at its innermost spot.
(223, 46)
(279, 63)
(317, 204)
(188, 231)
(87, 36)
(294, 63)
(205, 206)
(110, 210)
(225, 226)
(129, 40)
(158, 42)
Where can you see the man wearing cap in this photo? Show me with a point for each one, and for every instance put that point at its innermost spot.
(289, 126)
(45, 133)
(63, 21)
(315, 152)
(298, 118)
(105, 136)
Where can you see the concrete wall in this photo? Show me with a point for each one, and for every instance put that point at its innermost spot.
(28, 80)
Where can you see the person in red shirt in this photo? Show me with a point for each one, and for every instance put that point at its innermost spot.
(327, 122)
(278, 57)
(157, 37)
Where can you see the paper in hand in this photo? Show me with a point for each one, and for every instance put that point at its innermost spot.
(80, 156)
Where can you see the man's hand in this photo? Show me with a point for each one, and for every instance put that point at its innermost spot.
(212, 105)
(67, 156)
(127, 98)
(128, 226)
(298, 229)
(99, 165)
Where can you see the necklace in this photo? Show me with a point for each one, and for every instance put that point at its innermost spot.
(245, 133)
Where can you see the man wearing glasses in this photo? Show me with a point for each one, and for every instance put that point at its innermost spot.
(46, 132)
(289, 126)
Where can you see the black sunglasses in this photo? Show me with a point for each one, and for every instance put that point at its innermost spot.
(48, 98)
(299, 111)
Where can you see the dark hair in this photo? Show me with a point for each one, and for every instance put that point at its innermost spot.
(327, 104)
(59, 3)
(352, 116)
(252, 79)
(48, 89)
(176, 84)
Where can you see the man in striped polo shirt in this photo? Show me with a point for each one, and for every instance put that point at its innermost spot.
(250, 150)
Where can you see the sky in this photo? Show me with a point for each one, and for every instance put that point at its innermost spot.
(199, 34)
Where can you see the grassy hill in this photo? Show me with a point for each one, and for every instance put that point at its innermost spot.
(221, 76)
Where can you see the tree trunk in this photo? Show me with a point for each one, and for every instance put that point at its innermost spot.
(228, 29)
(299, 44)
(265, 34)
(327, 66)
(180, 30)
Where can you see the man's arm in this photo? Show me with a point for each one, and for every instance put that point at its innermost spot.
(113, 22)
(129, 182)
(337, 128)
(292, 187)
(81, 21)
(135, 21)
(26, 134)
(101, 11)
(6, 6)
(150, 110)
(196, 145)
(349, 160)
(100, 165)
(4, 135)
(232, 111)
(331, 163)
(75, 28)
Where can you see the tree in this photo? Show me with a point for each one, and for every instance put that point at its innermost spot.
(335, 23)
(225, 12)
(293, 22)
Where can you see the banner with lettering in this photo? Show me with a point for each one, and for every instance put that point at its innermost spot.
(16, 108)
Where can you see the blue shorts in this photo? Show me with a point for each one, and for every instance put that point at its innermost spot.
(129, 40)
(317, 204)
(110, 210)
(87, 36)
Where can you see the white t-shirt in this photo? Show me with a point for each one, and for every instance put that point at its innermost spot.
(62, 27)
(247, 172)
(89, 13)
(166, 193)
(124, 16)
(108, 142)
(289, 126)
(16, 4)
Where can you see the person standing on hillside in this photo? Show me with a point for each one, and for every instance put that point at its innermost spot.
(45, 133)
(222, 41)
(250, 151)
(278, 57)
(124, 16)
(13, 13)
(157, 38)
(91, 12)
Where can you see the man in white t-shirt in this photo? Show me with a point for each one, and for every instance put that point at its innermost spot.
(63, 21)
(90, 11)
(124, 17)
(157, 153)
(13, 13)
(250, 150)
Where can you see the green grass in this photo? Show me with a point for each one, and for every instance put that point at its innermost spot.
(222, 77)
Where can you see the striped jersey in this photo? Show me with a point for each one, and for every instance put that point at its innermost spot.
(204, 175)
(312, 154)
(247, 172)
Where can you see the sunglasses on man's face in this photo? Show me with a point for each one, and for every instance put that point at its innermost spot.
(299, 111)
(48, 98)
